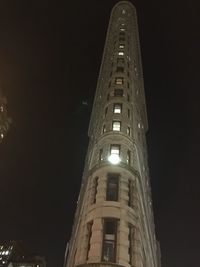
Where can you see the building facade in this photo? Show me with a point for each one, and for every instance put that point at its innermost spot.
(4, 120)
(114, 222)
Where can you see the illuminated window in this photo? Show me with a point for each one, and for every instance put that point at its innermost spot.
(119, 69)
(104, 128)
(116, 126)
(117, 108)
(121, 46)
(128, 131)
(112, 187)
(115, 149)
(1, 108)
(119, 80)
(118, 92)
(121, 53)
(109, 240)
(122, 29)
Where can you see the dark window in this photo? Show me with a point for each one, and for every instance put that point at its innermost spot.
(128, 73)
(122, 33)
(109, 84)
(121, 39)
(120, 60)
(106, 111)
(112, 187)
(131, 238)
(108, 97)
(118, 92)
(110, 73)
(109, 240)
(89, 234)
(128, 84)
(101, 154)
(95, 185)
(128, 97)
(120, 69)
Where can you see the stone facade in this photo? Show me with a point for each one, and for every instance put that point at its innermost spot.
(114, 219)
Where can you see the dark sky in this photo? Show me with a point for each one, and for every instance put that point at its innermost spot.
(50, 53)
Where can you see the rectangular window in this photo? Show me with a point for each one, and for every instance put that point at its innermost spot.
(117, 108)
(131, 238)
(128, 130)
(122, 29)
(115, 149)
(120, 69)
(109, 240)
(128, 84)
(122, 33)
(104, 128)
(95, 185)
(120, 61)
(118, 92)
(89, 234)
(121, 39)
(128, 113)
(116, 126)
(128, 97)
(128, 159)
(121, 53)
(119, 80)
(100, 154)
(121, 46)
(112, 187)
(106, 111)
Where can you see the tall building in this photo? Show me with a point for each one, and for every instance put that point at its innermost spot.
(4, 120)
(114, 224)
(13, 254)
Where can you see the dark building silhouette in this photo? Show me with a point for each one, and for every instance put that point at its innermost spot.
(114, 223)
(13, 254)
(4, 119)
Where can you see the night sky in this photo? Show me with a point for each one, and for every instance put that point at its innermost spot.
(50, 54)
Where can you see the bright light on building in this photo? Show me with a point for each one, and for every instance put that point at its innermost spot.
(114, 159)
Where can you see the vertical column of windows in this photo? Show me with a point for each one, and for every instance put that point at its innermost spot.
(131, 244)
(109, 240)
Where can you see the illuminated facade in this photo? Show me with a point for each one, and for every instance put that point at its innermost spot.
(4, 120)
(114, 224)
